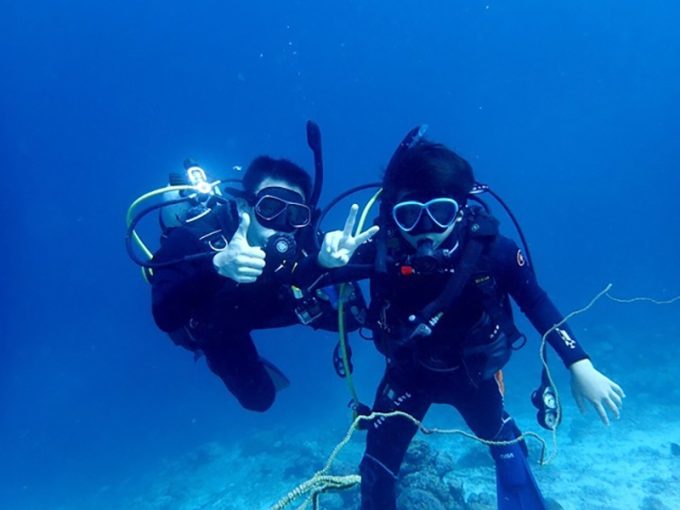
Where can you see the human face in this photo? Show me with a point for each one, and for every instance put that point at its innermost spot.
(259, 234)
(421, 216)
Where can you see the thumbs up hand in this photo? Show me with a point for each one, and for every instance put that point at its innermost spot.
(239, 261)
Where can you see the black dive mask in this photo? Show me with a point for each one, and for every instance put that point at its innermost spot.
(281, 209)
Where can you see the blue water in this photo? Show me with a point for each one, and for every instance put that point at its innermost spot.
(569, 109)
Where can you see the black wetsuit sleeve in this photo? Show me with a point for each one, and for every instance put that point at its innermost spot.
(309, 275)
(516, 276)
(179, 289)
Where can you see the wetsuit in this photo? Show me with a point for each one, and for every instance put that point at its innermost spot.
(204, 311)
(434, 369)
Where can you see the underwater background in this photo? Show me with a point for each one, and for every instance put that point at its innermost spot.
(570, 110)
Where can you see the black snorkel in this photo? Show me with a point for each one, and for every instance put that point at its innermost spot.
(412, 138)
(314, 142)
(318, 215)
(408, 142)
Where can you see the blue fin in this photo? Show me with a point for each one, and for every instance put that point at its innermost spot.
(515, 484)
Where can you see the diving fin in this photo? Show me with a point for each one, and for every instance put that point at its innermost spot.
(279, 379)
(515, 484)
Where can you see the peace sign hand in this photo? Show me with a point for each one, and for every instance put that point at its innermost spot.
(339, 245)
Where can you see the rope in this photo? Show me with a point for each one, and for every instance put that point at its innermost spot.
(322, 481)
(315, 486)
(645, 299)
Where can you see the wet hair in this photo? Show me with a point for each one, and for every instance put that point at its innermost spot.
(428, 168)
(264, 167)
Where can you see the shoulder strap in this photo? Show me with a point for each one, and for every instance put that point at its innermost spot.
(228, 219)
(482, 228)
(216, 226)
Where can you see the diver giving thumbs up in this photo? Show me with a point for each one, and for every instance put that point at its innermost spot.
(240, 261)
(233, 270)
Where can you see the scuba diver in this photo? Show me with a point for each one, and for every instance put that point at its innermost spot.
(225, 267)
(441, 276)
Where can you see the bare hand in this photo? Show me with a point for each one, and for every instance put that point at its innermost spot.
(587, 383)
(339, 245)
(239, 261)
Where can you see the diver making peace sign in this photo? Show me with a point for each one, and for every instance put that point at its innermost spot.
(441, 277)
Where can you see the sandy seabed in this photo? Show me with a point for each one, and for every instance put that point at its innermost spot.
(631, 465)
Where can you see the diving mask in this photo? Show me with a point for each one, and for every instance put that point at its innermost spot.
(281, 209)
(441, 213)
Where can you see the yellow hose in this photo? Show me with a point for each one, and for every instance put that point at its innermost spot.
(147, 196)
(341, 308)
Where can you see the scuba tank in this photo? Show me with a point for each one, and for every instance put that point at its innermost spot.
(187, 198)
(176, 212)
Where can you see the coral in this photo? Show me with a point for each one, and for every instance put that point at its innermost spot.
(270, 442)
(483, 501)
(444, 464)
(422, 482)
(675, 449)
(474, 457)
(417, 452)
(203, 455)
(300, 463)
(419, 499)
(652, 503)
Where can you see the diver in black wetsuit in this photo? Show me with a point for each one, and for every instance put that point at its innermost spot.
(211, 304)
(441, 276)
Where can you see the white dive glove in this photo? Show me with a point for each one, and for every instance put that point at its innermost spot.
(239, 261)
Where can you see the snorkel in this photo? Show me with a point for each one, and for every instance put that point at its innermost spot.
(314, 142)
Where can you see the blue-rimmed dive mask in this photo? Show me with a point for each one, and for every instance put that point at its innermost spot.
(281, 209)
(440, 214)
